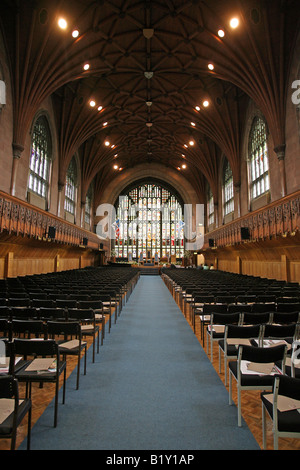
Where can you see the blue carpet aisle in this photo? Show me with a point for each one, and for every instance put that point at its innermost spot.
(152, 387)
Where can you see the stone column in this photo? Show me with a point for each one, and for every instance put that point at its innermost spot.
(280, 152)
(17, 151)
(237, 199)
(216, 214)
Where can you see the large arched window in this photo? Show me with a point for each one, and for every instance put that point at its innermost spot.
(258, 157)
(70, 187)
(149, 222)
(88, 206)
(210, 207)
(40, 158)
(228, 189)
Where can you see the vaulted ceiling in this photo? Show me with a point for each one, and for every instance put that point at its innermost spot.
(150, 67)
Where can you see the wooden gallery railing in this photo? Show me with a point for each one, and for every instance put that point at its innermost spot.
(20, 218)
(281, 217)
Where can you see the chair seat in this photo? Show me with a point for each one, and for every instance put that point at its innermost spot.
(7, 404)
(252, 380)
(288, 421)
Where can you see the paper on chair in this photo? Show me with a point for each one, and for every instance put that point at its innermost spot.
(284, 403)
(40, 364)
(7, 406)
(261, 368)
(238, 341)
(74, 343)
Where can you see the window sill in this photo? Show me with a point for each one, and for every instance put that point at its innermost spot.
(260, 201)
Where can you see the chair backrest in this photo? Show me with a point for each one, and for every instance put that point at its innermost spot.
(38, 303)
(288, 307)
(19, 302)
(257, 318)
(284, 318)
(263, 355)
(82, 315)
(67, 328)
(66, 303)
(28, 327)
(204, 299)
(224, 318)
(94, 304)
(26, 347)
(238, 331)
(280, 331)
(257, 307)
(242, 308)
(225, 299)
(52, 313)
(213, 308)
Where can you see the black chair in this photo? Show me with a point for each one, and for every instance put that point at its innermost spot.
(205, 314)
(273, 333)
(98, 308)
(288, 307)
(246, 299)
(16, 411)
(71, 344)
(45, 303)
(107, 308)
(5, 329)
(282, 407)
(235, 335)
(216, 329)
(87, 320)
(254, 370)
(39, 372)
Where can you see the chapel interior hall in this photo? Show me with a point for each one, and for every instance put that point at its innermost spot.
(150, 168)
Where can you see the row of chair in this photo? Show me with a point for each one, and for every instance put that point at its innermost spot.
(259, 343)
(35, 333)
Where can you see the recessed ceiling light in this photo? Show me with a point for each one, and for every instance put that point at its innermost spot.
(211, 66)
(105, 124)
(116, 167)
(183, 156)
(178, 168)
(106, 143)
(75, 33)
(183, 166)
(205, 103)
(221, 33)
(86, 66)
(99, 108)
(62, 23)
(185, 146)
(197, 108)
(234, 22)
(115, 156)
(191, 142)
(92, 103)
(193, 124)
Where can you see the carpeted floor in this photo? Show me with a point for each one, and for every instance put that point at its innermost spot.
(152, 387)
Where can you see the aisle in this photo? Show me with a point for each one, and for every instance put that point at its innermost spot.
(152, 387)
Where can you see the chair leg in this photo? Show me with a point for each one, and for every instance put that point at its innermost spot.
(29, 429)
(239, 406)
(264, 430)
(230, 388)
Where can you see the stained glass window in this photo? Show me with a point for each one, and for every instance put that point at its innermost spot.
(228, 189)
(259, 162)
(149, 222)
(88, 206)
(210, 207)
(70, 187)
(40, 158)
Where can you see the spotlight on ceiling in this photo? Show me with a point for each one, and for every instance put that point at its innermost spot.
(62, 23)
(86, 66)
(234, 22)
(75, 33)
(211, 66)
(221, 33)
(205, 103)
(92, 103)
